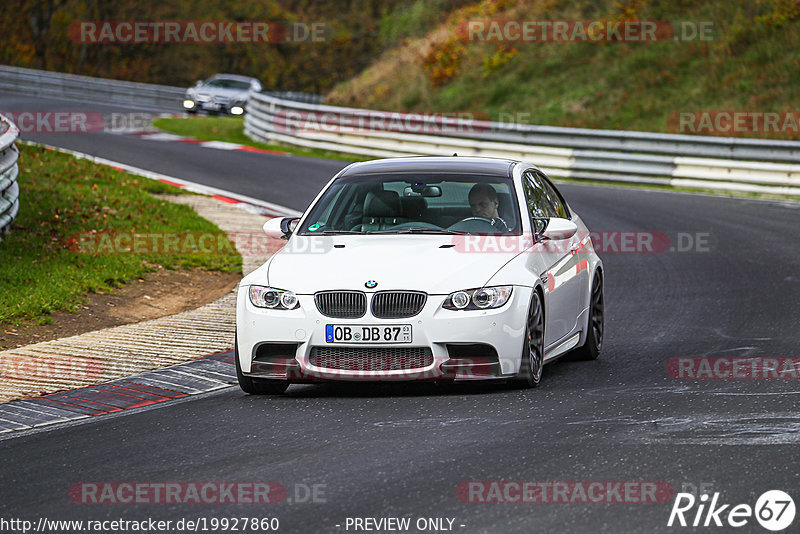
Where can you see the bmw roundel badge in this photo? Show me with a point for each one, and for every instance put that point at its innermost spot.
(370, 284)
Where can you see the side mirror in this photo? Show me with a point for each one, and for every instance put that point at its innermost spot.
(281, 228)
(198, 83)
(559, 229)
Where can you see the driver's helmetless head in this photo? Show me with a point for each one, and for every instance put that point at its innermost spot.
(483, 201)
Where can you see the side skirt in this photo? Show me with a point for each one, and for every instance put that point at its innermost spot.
(562, 348)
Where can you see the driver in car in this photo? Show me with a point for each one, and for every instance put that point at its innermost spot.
(484, 203)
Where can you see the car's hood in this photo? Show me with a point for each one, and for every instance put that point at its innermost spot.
(429, 263)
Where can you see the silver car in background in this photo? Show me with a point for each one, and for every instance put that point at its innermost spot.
(222, 93)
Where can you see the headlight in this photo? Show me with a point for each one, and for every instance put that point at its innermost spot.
(272, 298)
(188, 104)
(483, 298)
(203, 98)
(237, 110)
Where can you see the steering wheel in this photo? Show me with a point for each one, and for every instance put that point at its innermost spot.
(481, 225)
(484, 219)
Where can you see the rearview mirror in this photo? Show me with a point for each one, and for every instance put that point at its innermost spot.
(558, 228)
(281, 228)
(421, 190)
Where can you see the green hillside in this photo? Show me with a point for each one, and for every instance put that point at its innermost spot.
(749, 61)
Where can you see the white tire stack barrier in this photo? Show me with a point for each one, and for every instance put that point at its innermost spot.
(9, 188)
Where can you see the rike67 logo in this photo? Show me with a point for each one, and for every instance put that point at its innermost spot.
(774, 510)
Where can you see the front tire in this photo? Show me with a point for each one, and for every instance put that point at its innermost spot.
(596, 324)
(257, 386)
(530, 371)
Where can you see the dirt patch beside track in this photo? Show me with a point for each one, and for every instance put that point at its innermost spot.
(160, 293)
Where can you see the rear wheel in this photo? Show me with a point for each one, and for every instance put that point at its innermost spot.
(594, 335)
(530, 372)
(258, 386)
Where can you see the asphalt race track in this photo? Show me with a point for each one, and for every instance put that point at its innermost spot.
(397, 450)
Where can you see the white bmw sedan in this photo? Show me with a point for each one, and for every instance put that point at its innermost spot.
(423, 268)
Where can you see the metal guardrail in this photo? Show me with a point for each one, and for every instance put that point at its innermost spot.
(9, 188)
(108, 91)
(749, 165)
(73, 86)
(295, 96)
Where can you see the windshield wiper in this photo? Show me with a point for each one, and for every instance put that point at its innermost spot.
(419, 231)
(330, 232)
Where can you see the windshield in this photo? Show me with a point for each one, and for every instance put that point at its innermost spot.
(226, 83)
(399, 203)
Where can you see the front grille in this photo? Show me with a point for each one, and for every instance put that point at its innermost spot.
(371, 358)
(397, 304)
(341, 304)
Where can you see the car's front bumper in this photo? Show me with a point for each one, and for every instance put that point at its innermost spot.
(465, 345)
(212, 106)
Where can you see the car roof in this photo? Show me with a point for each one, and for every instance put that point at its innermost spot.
(497, 167)
(233, 77)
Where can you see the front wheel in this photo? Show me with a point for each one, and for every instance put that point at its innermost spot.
(594, 335)
(257, 386)
(530, 371)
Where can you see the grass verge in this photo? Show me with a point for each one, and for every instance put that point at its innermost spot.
(43, 268)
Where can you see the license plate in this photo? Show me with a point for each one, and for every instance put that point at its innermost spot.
(211, 105)
(368, 333)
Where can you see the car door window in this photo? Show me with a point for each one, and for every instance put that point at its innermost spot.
(544, 199)
(553, 197)
(536, 199)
